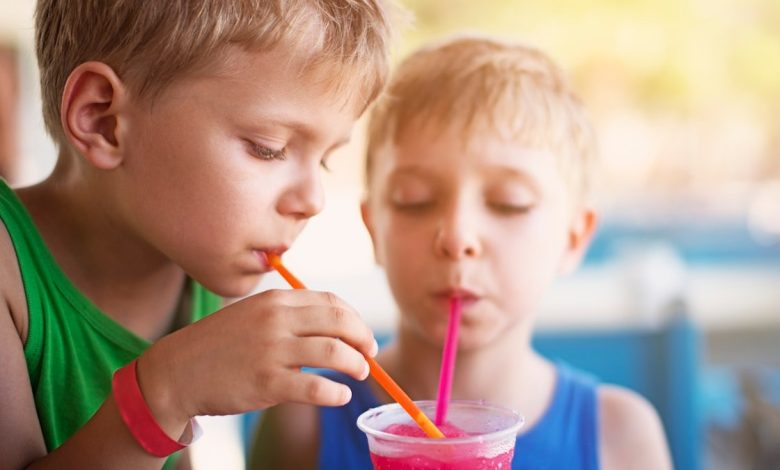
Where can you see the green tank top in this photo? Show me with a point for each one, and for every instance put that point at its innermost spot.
(72, 348)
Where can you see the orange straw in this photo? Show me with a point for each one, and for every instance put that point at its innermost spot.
(276, 263)
(376, 370)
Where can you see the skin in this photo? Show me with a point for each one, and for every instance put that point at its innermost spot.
(494, 222)
(192, 183)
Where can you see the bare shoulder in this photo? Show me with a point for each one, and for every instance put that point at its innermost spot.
(630, 432)
(12, 296)
(21, 440)
(287, 437)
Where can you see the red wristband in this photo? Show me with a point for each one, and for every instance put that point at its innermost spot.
(138, 417)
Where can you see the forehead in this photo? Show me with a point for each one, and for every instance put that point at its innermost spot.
(271, 76)
(266, 86)
(480, 151)
(288, 72)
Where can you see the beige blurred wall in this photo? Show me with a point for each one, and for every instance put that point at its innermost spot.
(35, 152)
(16, 19)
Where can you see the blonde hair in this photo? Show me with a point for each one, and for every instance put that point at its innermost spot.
(465, 81)
(151, 43)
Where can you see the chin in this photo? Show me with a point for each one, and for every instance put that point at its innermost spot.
(240, 286)
(470, 338)
(479, 336)
(470, 343)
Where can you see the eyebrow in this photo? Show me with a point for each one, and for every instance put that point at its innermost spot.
(411, 171)
(515, 173)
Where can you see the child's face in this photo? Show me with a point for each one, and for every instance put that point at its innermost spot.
(225, 166)
(489, 220)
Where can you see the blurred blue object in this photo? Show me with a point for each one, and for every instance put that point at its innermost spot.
(660, 364)
(722, 402)
(699, 242)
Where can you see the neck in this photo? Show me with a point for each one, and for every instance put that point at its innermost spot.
(506, 371)
(123, 275)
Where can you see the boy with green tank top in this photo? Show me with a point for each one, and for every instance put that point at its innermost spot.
(190, 136)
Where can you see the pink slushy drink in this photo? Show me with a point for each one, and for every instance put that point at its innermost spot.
(480, 436)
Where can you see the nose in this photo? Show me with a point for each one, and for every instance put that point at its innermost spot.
(305, 198)
(457, 237)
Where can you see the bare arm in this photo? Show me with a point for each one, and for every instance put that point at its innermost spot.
(103, 442)
(21, 440)
(630, 432)
(287, 437)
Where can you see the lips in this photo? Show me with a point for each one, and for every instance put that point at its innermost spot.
(261, 254)
(466, 296)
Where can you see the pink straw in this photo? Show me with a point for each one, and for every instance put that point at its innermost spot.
(448, 362)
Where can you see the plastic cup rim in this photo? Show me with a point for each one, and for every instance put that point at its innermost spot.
(491, 436)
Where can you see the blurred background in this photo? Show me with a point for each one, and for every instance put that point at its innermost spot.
(685, 97)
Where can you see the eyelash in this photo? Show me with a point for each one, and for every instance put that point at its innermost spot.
(267, 153)
(506, 209)
(412, 207)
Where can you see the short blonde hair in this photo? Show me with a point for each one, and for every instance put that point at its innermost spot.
(150, 43)
(468, 80)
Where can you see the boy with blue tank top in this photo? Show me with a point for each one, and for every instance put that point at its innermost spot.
(190, 135)
(477, 187)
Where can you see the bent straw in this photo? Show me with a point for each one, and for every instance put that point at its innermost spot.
(376, 370)
(276, 262)
(448, 362)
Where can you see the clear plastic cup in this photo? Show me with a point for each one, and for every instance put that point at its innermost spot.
(489, 441)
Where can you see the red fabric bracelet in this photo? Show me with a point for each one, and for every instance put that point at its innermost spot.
(138, 417)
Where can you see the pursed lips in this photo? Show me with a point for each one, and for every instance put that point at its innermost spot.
(261, 255)
(466, 296)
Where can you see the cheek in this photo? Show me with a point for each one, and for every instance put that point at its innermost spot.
(219, 200)
(526, 269)
(527, 251)
(403, 260)
(174, 172)
(398, 240)
(406, 257)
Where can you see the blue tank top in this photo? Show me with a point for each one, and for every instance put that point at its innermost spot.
(565, 438)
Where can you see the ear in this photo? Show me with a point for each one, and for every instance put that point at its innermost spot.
(365, 214)
(91, 111)
(583, 226)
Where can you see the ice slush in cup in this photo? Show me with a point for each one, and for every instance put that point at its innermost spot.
(480, 436)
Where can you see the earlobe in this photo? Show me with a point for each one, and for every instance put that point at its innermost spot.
(91, 111)
(581, 233)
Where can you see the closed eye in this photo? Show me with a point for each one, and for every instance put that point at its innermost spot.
(510, 209)
(412, 207)
(267, 153)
